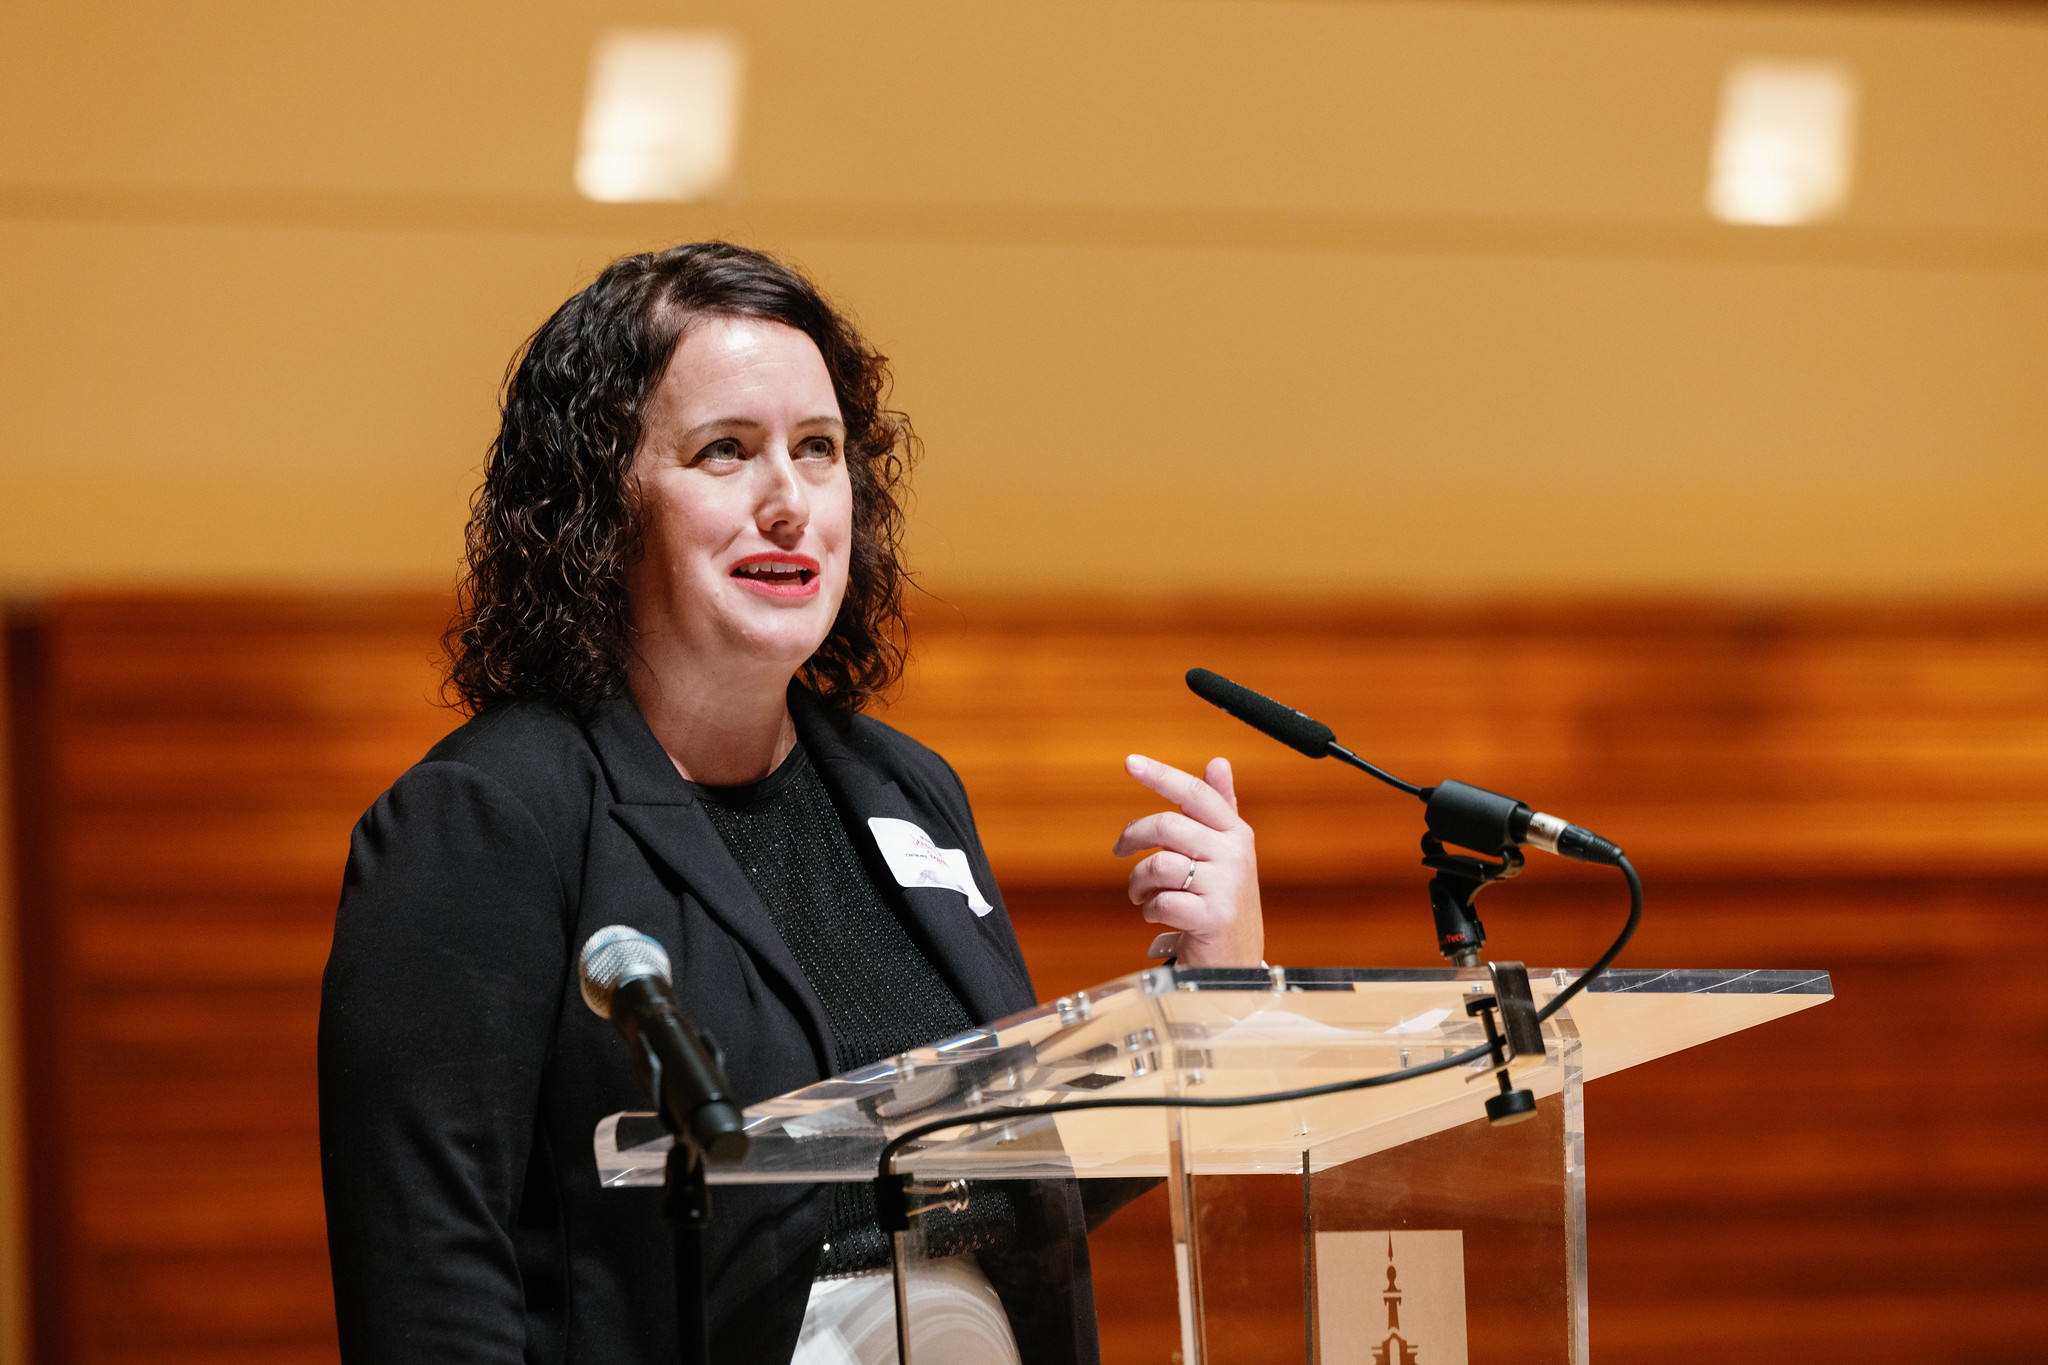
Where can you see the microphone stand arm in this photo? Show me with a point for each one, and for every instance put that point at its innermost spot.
(1344, 755)
(693, 1073)
(624, 977)
(687, 1202)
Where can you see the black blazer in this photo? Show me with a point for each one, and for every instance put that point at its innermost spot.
(461, 1075)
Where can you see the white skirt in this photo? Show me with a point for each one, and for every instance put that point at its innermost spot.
(955, 1316)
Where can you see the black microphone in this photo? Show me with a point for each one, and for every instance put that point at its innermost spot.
(625, 978)
(1262, 713)
(1457, 813)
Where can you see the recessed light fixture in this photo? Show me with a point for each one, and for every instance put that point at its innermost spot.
(660, 115)
(1785, 142)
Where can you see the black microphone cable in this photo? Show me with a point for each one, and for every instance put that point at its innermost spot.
(889, 1195)
(1468, 815)
(892, 1197)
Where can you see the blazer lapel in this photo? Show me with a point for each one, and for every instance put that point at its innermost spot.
(656, 807)
(972, 952)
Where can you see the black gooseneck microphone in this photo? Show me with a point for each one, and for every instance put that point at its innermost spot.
(1468, 816)
(1304, 734)
(1454, 813)
(624, 976)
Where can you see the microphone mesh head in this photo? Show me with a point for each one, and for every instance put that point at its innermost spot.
(1302, 733)
(613, 956)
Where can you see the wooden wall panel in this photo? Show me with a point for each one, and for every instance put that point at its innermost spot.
(195, 770)
(1863, 789)
(1708, 739)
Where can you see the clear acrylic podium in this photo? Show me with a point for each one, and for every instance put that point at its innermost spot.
(1389, 1226)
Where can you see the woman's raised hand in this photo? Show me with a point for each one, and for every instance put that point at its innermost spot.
(1204, 880)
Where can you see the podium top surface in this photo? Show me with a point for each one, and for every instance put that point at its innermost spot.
(1214, 1032)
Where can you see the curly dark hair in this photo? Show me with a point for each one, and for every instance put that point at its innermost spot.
(542, 611)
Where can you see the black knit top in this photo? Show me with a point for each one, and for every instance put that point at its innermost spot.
(880, 992)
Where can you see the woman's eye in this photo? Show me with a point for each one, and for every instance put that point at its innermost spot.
(721, 450)
(821, 448)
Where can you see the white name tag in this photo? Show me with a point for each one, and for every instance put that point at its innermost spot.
(917, 861)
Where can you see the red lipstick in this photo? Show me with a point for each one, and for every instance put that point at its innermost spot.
(777, 574)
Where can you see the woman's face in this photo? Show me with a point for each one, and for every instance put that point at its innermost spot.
(745, 500)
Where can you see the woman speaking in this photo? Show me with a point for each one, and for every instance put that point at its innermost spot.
(684, 585)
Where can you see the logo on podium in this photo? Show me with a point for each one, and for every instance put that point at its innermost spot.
(1391, 1298)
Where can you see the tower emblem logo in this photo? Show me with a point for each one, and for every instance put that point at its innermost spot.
(1394, 1350)
(1391, 1298)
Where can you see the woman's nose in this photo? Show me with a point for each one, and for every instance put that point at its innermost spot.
(784, 503)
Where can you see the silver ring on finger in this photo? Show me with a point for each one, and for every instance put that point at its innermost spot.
(1189, 880)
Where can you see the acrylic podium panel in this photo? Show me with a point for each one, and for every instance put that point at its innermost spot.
(1392, 1225)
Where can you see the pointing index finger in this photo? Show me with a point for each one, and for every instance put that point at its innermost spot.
(1196, 798)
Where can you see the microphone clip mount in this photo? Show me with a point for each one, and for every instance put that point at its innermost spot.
(1459, 877)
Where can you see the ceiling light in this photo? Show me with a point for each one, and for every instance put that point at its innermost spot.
(660, 115)
(1785, 142)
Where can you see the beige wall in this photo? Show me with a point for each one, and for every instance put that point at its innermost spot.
(1244, 296)
(1183, 295)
